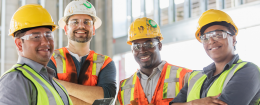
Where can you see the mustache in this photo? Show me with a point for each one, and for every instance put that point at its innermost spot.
(87, 31)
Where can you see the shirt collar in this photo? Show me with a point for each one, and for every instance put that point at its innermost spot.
(34, 65)
(159, 67)
(76, 55)
(210, 69)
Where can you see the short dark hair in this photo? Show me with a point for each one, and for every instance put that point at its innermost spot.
(20, 33)
(229, 26)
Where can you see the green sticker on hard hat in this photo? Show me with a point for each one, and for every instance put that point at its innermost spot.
(153, 23)
(88, 5)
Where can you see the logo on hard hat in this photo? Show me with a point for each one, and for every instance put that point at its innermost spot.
(88, 5)
(153, 23)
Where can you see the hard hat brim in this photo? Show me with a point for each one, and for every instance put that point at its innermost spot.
(97, 23)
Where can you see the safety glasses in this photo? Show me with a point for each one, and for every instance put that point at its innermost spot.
(38, 36)
(146, 45)
(215, 35)
(77, 22)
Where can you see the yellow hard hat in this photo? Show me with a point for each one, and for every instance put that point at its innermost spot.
(211, 16)
(143, 28)
(28, 16)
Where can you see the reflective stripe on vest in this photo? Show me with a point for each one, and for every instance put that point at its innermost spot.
(127, 84)
(171, 82)
(44, 89)
(98, 61)
(197, 78)
(60, 61)
(169, 86)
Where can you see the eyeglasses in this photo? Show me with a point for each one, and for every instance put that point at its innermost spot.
(215, 35)
(38, 36)
(76, 22)
(145, 45)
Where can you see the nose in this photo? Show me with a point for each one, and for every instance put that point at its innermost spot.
(81, 25)
(211, 40)
(44, 40)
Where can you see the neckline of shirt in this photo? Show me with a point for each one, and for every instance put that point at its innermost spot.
(76, 55)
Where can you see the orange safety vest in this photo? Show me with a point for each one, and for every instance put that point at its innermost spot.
(66, 69)
(168, 86)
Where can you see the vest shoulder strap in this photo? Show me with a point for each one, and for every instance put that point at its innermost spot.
(126, 85)
(195, 75)
(59, 57)
(232, 72)
(170, 89)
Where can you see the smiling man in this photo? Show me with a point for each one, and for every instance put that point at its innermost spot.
(228, 80)
(30, 82)
(156, 82)
(85, 74)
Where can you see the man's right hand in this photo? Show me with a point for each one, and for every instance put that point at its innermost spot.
(213, 100)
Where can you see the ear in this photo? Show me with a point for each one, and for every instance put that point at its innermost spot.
(18, 43)
(94, 29)
(160, 46)
(65, 29)
(234, 40)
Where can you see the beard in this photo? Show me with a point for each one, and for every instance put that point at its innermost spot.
(147, 66)
(81, 39)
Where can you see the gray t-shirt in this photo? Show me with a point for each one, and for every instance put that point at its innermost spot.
(242, 89)
(16, 89)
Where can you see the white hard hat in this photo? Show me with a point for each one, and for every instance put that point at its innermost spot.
(80, 7)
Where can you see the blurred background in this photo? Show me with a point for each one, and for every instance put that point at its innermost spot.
(176, 18)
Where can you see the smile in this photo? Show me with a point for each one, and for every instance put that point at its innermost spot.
(215, 48)
(45, 50)
(81, 32)
(144, 57)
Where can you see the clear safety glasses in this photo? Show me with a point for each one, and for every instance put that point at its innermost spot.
(77, 22)
(37, 36)
(215, 35)
(145, 45)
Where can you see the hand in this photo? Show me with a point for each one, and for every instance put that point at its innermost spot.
(213, 100)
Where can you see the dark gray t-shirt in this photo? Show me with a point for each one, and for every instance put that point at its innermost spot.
(15, 89)
(106, 77)
(242, 89)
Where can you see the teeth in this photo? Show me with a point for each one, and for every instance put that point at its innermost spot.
(80, 32)
(45, 49)
(214, 48)
(145, 57)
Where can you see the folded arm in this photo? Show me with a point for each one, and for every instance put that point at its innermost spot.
(106, 86)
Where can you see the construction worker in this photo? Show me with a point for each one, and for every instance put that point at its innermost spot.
(86, 75)
(29, 82)
(156, 82)
(228, 80)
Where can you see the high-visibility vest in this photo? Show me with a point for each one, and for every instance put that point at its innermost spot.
(167, 88)
(66, 69)
(197, 78)
(44, 89)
